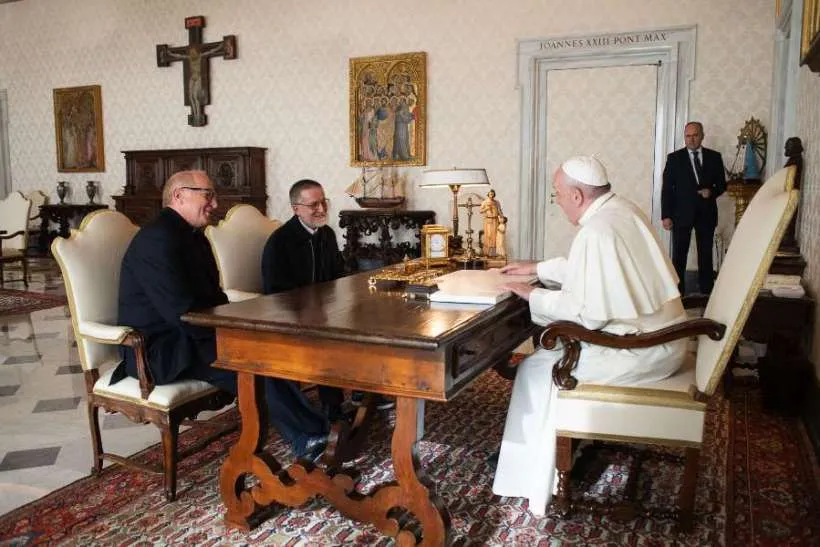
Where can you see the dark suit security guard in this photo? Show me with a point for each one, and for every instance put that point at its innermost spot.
(169, 270)
(692, 179)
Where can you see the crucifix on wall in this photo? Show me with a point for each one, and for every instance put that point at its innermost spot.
(195, 65)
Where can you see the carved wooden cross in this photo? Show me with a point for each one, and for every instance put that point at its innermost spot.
(195, 65)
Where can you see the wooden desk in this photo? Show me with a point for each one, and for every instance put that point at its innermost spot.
(61, 213)
(344, 334)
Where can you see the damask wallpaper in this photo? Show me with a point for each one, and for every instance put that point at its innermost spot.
(808, 125)
(287, 90)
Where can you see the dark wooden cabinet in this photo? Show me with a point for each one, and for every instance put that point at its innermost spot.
(363, 222)
(238, 174)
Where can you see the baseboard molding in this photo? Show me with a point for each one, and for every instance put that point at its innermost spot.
(811, 417)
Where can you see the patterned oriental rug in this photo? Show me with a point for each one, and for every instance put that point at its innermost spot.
(19, 302)
(757, 486)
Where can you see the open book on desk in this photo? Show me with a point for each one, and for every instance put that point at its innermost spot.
(476, 286)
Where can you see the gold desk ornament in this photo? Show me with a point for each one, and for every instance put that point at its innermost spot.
(435, 245)
(416, 271)
(470, 260)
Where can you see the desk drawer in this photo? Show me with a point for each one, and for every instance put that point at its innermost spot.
(472, 355)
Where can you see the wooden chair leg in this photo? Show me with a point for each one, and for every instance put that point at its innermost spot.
(2, 277)
(169, 451)
(96, 439)
(25, 272)
(561, 504)
(686, 499)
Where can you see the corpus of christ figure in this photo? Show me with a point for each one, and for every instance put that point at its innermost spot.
(195, 65)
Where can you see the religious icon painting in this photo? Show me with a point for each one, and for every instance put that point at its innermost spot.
(79, 129)
(388, 105)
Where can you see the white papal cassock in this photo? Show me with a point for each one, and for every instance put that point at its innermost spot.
(616, 279)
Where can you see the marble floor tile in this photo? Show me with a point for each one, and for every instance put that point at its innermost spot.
(35, 457)
(45, 442)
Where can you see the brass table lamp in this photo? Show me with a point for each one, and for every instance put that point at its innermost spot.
(454, 178)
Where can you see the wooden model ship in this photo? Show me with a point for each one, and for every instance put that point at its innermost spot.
(377, 189)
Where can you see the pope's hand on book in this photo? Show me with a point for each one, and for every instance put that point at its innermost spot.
(521, 289)
(520, 268)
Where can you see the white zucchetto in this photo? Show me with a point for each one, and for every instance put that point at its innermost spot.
(586, 169)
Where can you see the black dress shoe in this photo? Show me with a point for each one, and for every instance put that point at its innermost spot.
(492, 459)
(337, 413)
(313, 448)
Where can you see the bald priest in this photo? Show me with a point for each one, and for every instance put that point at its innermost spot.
(617, 279)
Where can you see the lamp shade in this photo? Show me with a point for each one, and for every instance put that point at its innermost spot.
(454, 177)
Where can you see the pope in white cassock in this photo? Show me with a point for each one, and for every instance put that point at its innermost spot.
(617, 279)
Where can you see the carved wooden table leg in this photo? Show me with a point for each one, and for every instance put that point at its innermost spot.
(410, 498)
(244, 457)
(415, 492)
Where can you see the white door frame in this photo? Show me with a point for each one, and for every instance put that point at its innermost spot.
(785, 73)
(5, 160)
(672, 49)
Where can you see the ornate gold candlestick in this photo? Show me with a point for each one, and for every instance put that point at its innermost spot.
(470, 259)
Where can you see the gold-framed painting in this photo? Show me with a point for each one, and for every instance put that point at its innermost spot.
(78, 126)
(388, 110)
(810, 36)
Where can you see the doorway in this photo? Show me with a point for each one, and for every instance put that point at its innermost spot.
(662, 61)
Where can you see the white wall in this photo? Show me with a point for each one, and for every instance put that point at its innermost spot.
(287, 90)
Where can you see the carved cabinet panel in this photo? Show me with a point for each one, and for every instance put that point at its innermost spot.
(238, 174)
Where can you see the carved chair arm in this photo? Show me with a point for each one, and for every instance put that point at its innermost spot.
(572, 334)
(122, 336)
(136, 341)
(15, 234)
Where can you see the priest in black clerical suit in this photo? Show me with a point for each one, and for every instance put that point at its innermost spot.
(169, 270)
(692, 179)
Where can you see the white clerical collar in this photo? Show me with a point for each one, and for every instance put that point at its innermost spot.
(310, 230)
(595, 205)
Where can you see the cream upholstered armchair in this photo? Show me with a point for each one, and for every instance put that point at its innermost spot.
(237, 243)
(90, 262)
(670, 412)
(14, 212)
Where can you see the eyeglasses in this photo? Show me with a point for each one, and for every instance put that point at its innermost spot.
(316, 205)
(208, 193)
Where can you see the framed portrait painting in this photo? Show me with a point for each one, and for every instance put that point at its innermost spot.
(79, 129)
(810, 36)
(388, 107)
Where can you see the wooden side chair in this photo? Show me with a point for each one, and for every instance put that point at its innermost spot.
(90, 262)
(37, 198)
(237, 243)
(670, 412)
(14, 213)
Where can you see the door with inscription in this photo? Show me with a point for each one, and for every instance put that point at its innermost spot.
(608, 112)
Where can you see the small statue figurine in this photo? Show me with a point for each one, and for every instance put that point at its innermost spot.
(491, 209)
(794, 151)
(500, 238)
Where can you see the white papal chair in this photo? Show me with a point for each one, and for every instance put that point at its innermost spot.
(670, 412)
(237, 243)
(90, 262)
(14, 212)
